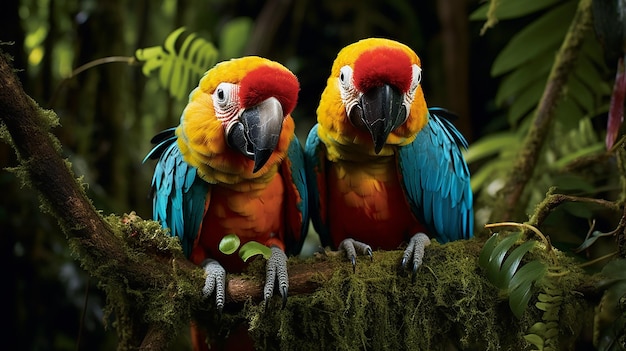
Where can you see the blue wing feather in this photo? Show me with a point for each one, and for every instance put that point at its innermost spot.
(297, 174)
(437, 180)
(315, 156)
(179, 196)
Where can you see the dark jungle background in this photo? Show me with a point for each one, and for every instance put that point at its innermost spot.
(109, 112)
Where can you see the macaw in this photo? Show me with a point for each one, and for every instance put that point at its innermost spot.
(382, 168)
(234, 166)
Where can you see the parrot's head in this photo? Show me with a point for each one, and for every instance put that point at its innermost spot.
(237, 122)
(373, 96)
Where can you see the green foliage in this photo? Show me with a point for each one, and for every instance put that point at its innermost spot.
(524, 65)
(180, 66)
(512, 9)
(544, 335)
(504, 274)
(610, 319)
(253, 248)
(231, 243)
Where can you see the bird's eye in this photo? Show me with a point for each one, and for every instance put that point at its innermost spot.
(417, 78)
(225, 94)
(345, 75)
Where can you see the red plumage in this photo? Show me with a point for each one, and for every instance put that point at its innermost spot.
(383, 66)
(265, 82)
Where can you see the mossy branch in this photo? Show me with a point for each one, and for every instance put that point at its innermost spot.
(554, 92)
(101, 247)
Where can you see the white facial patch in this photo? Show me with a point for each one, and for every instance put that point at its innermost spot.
(226, 103)
(415, 82)
(349, 94)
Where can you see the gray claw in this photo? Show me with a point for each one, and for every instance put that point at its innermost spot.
(351, 246)
(415, 252)
(276, 270)
(215, 281)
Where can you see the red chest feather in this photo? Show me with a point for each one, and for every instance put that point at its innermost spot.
(369, 205)
(252, 215)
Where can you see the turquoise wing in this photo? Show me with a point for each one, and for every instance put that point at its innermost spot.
(315, 158)
(179, 195)
(297, 198)
(436, 179)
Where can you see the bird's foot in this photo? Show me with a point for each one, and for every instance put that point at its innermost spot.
(276, 271)
(415, 253)
(352, 247)
(215, 281)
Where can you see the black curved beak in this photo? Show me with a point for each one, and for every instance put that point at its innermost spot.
(256, 133)
(380, 110)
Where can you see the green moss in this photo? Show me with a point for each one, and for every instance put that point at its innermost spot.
(166, 302)
(378, 307)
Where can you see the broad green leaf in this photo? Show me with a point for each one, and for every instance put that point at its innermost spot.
(489, 145)
(489, 172)
(524, 76)
(512, 262)
(229, 244)
(253, 248)
(525, 44)
(588, 72)
(538, 328)
(550, 298)
(497, 256)
(485, 253)
(526, 101)
(530, 272)
(581, 94)
(519, 297)
(614, 271)
(590, 240)
(508, 9)
(572, 182)
(234, 37)
(568, 114)
(535, 340)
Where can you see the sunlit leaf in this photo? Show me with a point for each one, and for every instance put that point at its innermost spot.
(489, 172)
(253, 248)
(229, 244)
(535, 340)
(180, 61)
(489, 145)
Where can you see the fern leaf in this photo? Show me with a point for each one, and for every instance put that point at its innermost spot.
(180, 66)
(506, 276)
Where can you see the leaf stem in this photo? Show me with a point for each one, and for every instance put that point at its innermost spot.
(111, 59)
(524, 226)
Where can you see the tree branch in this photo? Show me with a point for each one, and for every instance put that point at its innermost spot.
(524, 167)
